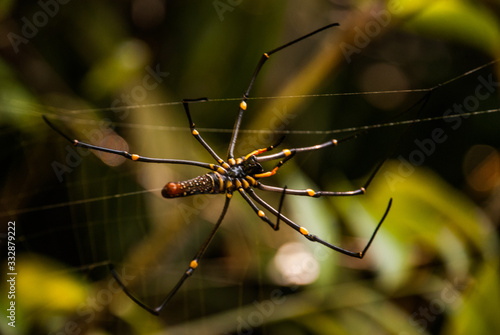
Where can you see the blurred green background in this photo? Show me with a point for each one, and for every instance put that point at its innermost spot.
(100, 69)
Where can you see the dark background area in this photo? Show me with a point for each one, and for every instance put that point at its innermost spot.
(87, 65)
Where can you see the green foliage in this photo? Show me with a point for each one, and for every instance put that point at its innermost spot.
(433, 267)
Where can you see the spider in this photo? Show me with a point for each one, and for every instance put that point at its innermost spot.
(242, 175)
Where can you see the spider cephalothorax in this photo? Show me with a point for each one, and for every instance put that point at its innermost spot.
(244, 167)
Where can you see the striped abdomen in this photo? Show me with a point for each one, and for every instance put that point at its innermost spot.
(211, 182)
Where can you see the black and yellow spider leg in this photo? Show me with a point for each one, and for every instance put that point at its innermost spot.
(310, 192)
(189, 271)
(261, 151)
(314, 238)
(316, 194)
(286, 152)
(282, 199)
(260, 213)
(243, 104)
(196, 133)
(133, 157)
(289, 155)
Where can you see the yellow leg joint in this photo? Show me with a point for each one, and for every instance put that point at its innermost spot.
(261, 214)
(243, 105)
(135, 157)
(303, 231)
(310, 192)
(193, 264)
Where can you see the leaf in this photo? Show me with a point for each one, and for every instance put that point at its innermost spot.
(461, 21)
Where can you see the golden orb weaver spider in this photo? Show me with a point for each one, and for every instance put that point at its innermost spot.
(237, 174)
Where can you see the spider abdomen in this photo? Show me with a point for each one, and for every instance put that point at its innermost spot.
(211, 182)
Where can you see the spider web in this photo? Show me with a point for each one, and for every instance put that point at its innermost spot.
(106, 214)
(103, 213)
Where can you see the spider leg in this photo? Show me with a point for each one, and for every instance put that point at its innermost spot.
(269, 148)
(133, 157)
(316, 194)
(309, 192)
(258, 211)
(263, 59)
(196, 133)
(289, 153)
(189, 271)
(314, 238)
(244, 185)
(282, 199)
